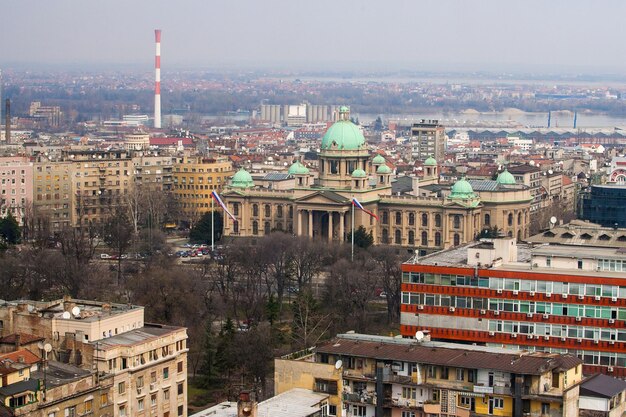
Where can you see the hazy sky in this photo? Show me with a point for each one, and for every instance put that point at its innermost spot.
(542, 35)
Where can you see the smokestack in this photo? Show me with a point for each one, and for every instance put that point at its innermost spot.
(157, 80)
(7, 123)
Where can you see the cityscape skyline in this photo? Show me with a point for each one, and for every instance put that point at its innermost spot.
(493, 36)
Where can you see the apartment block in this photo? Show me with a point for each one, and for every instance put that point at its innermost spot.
(428, 139)
(154, 171)
(53, 198)
(562, 293)
(367, 375)
(16, 187)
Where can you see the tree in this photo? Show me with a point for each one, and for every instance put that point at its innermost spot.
(202, 230)
(309, 324)
(307, 259)
(362, 238)
(77, 245)
(378, 124)
(390, 275)
(117, 234)
(10, 230)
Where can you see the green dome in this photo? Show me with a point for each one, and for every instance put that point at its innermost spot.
(378, 159)
(506, 178)
(383, 169)
(297, 169)
(358, 173)
(462, 189)
(345, 135)
(430, 161)
(242, 179)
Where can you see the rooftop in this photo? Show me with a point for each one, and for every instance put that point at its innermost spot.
(58, 373)
(582, 233)
(601, 385)
(88, 311)
(447, 354)
(457, 256)
(136, 336)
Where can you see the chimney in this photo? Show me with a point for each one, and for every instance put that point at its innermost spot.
(157, 79)
(246, 407)
(7, 123)
(18, 341)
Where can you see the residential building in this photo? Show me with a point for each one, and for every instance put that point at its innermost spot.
(428, 139)
(16, 187)
(602, 396)
(529, 175)
(566, 295)
(605, 205)
(367, 375)
(194, 178)
(45, 115)
(53, 201)
(154, 171)
(136, 141)
(146, 363)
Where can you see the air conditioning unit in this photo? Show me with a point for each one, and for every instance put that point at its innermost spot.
(496, 313)
(546, 316)
(546, 338)
(610, 369)
(597, 298)
(499, 291)
(420, 307)
(579, 318)
(611, 321)
(564, 295)
(483, 311)
(548, 294)
(492, 333)
(563, 339)
(532, 293)
(611, 342)
(515, 292)
(581, 297)
(514, 335)
(530, 336)
(451, 309)
(580, 340)
(529, 315)
(596, 341)
(614, 299)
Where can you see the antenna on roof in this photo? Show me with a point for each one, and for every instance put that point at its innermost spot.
(419, 335)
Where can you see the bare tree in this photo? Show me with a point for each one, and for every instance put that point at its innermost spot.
(390, 273)
(309, 324)
(307, 258)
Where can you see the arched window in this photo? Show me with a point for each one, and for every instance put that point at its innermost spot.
(398, 239)
(457, 221)
(279, 211)
(235, 209)
(411, 237)
(424, 219)
(487, 220)
(519, 235)
(424, 239)
(385, 236)
(267, 228)
(255, 227)
(519, 218)
(457, 239)
(437, 239)
(398, 217)
(510, 234)
(385, 217)
(411, 219)
(437, 220)
(268, 210)
(510, 219)
(255, 210)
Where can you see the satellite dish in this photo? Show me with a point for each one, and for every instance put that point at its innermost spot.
(419, 335)
(531, 163)
(66, 315)
(338, 364)
(40, 345)
(550, 172)
(47, 347)
(553, 220)
(76, 311)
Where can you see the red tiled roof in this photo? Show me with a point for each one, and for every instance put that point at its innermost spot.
(170, 141)
(25, 338)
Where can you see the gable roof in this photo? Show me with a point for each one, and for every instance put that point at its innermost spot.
(601, 385)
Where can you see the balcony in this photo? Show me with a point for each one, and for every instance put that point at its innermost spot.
(360, 374)
(364, 398)
(402, 403)
(398, 379)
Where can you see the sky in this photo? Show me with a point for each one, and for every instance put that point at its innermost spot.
(549, 36)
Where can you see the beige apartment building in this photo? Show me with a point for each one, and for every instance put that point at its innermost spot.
(155, 172)
(53, 198)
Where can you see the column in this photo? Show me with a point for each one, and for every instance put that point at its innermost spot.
(342, 219)
(330, 226)
(299, 226)
(310, 223)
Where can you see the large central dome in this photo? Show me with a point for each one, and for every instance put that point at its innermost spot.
(343, 134)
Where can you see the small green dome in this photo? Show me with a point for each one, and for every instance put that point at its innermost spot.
(506, 178)
(358, 173)
(430, 161)
(383, 169)
(378, 159)
(297, 169)
(242, 179)
(462, 189)
(345, 135)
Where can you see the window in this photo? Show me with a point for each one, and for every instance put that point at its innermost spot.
(122, 412)
(359, 411)
(424, 220)
(166, 394)
(545, 408)
(460, 374)
(52, 414)
(255, 227)
(498, 402)
(326, 386)
(267, 210)
(332, 410)
(398, 218)
(457, 239)
(519, 218)
(424, 239)
(153, 400)
(180, 389)
(408, 414)
(166, 372)
(140, 404)
(409, 393)
(437, 239)
(411, 219)
(179, 367)
(70, 412)
(444, 372)
(487, 220)
(181, 410)
(580, 264)
(279, 211)
(121, 388)
(510, 219)
(398, 237)
(255, 210)
(235, 209)
(411, 237)
(153, 373)
(267, 228)
(104, 399)
(140, 382)
(385, 236)
(385, 219)
(432, 372)
(437, 220)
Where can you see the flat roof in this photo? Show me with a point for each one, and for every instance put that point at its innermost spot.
(58, 374)
(136, 336)
(457, 256)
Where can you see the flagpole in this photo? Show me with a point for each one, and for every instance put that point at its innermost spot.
(212, 224)
(352, 255)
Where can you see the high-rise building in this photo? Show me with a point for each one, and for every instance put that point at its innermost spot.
(16, 187)
(605, 204)
(53, 200)
(428, 139)
(565, 295)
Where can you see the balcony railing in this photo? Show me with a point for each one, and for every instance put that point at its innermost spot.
(359, 398)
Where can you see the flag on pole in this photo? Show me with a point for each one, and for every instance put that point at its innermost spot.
(219, 201)
(358, 205)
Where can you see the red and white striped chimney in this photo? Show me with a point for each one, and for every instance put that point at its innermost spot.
(157, 80)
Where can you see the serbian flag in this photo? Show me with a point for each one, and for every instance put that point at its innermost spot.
(219, 201)
(358, 205)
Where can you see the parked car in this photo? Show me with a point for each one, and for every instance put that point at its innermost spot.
(105, 256)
